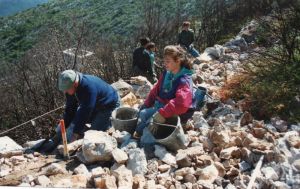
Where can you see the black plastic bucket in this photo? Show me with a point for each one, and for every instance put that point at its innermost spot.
(124, 119)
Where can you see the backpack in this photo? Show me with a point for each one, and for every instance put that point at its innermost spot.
(200, 97)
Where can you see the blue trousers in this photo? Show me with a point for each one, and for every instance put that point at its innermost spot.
(100, 121)
(145, 117)
(193, 52)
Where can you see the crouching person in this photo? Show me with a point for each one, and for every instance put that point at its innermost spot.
(172, 94)
(89, 99)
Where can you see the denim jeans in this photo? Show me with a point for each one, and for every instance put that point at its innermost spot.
(100, 121)
(193, 52)
(145, 117)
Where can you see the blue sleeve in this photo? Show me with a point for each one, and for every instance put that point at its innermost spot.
(70, 110)
(86, 106)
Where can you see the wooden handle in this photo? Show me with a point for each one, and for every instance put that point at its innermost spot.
(64, 138)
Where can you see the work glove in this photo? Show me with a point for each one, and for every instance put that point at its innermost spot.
(158, 118)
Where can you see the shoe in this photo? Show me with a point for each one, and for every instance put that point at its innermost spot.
(136, 135)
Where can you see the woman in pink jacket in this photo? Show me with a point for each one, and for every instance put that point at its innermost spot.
(172, 94)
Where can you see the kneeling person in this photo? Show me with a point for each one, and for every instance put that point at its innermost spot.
(89, 99)
(172, 94)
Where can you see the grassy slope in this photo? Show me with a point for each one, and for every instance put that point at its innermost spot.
(103, 17)
(10, 7)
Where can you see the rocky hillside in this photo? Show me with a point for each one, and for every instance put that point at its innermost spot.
(224, 147)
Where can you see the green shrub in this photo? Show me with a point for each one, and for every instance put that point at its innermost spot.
(273, 76)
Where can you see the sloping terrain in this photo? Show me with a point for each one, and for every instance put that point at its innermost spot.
(105, 18)
(225, 145)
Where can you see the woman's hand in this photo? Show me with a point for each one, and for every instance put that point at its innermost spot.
(158, 118)
(143, 106)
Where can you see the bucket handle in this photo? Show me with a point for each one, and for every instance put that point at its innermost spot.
(167, 125)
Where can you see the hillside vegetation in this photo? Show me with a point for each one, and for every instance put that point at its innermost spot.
(105, 18)
(10, 7)
(32, 42)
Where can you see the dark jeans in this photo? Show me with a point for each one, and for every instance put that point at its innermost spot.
(100, 120)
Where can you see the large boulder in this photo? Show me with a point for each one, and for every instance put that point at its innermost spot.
(220, 136)
(208, 174)
(215, 52)
(122, 87)
(35, 143)
(139, 80)
(82, 170)
(204, 57)
(144, 90)
(249, 31)
(97, 146)
(4, 170)
(237, 42)
(164, 155)
(54, 169)
(124, 177)
(107, 181)
(43, 181)
(8, 146)
(72, 147)
(119, 156)
(279, 124)
(137, 162)
(129, 100)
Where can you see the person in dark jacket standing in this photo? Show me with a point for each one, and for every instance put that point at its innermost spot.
(89, 99)
(141, 64)
(149, 51)
(186, 38)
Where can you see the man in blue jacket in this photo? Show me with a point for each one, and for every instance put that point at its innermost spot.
(89, 99)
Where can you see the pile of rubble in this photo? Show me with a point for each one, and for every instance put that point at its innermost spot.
(224, 144)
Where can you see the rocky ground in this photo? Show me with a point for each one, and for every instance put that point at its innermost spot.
(224, 144)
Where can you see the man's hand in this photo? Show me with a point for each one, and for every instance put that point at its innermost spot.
(158, 118)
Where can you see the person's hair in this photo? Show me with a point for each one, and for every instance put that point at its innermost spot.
(150, 45)
(178, 53)
(186, 23)
(144, 41)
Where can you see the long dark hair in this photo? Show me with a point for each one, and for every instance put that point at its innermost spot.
(178, 53)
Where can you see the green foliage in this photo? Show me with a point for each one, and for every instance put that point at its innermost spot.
(273, 89)
(105, 18)
(273, 82)
(10, 7)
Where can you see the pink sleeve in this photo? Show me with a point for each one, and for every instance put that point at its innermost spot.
(180, 104)
(149, 102)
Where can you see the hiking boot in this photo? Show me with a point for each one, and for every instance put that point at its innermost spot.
(50, 145)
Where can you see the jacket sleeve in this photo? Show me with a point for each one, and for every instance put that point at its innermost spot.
(191, 37)
(180, 104)
(147, 61)
(70, 110)
(86, 106)
(149, 102)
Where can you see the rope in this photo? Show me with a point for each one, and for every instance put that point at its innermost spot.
(30, 121)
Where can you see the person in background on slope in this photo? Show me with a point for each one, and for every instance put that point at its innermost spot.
(172, 94)
(89, 99)
(186, 38)
(149, 50)
(141, 64)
